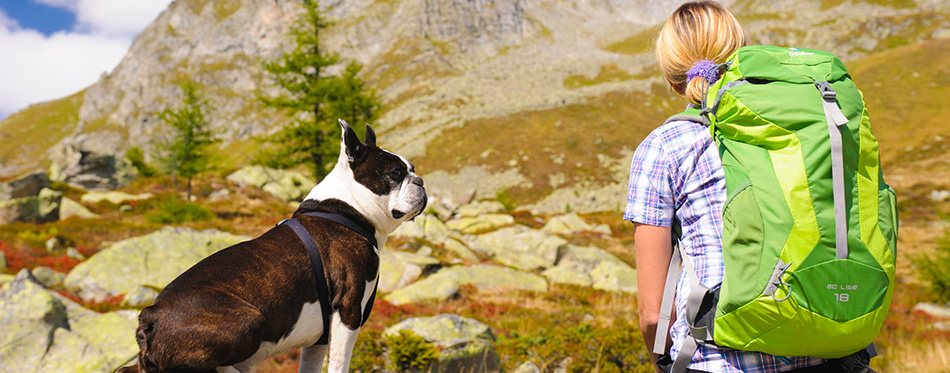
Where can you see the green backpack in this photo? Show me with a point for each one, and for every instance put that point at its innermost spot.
(809, 226)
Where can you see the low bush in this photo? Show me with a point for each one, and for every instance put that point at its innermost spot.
(933, 269)
(409, 352)
(173, 211)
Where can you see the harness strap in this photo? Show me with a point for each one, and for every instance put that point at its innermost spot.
(371, 236)
(323, 290)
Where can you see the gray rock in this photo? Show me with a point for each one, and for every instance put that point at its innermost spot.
(932, 310)
(398, 269)
(527, 367)
(457, 248)
(75, 254)
(42, 208)
(24, 186)
(6, 279)
(592, 266)
(572, 223)
(152, 260)
(53, 244)
(465, 344)
(424, 227)
(45, 332)
(445, 283)
(480, 224)
(939, 195)
(93, 161)
(219, 195)
(480, 208)
(519, 247)
(142, 297)
(68, 208)
(283, 184)
(49, 277)
(115, 198)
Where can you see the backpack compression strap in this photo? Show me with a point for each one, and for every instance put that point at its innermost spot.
(323, 290)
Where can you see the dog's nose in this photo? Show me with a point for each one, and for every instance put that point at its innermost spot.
(418, 181)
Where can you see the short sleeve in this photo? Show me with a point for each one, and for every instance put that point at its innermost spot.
(649, 196)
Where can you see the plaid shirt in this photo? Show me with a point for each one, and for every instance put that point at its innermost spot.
(676, 171)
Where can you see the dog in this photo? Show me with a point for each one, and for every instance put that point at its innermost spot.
(260, 298)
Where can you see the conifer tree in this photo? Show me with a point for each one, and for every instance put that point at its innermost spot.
(185, 153)
(314, 98)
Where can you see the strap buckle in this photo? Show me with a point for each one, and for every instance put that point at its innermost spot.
(826, 91)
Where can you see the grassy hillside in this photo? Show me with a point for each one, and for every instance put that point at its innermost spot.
(27, 134)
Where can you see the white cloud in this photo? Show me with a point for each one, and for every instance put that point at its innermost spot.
(36, 67)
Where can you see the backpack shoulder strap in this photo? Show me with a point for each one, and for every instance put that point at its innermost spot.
(691, 114)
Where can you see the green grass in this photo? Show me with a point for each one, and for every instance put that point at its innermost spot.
(608, 73)
(642, 42)
(27, 134)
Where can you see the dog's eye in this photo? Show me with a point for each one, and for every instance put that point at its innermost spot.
(397, 173)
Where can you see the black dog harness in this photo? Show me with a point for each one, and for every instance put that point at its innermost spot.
(323, 290)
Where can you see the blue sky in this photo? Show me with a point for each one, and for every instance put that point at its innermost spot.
(53, 48)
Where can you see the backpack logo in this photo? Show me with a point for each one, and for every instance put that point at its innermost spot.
(798, 52)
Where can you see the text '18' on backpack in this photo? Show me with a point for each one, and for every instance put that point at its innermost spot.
(809, 226)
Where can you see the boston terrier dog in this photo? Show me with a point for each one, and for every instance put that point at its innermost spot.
(309, 279)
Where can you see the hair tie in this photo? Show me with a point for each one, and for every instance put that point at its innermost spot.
(704, 68)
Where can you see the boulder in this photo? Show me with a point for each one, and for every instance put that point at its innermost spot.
(480, 208)
(445, 283)
(572, 223)
(92, 161)
(49, 277)
(115, 198)
(932, 310)
(578, 265)
(283, 184)
(152, 260)
(24, 186)
(527, 367)
(519, 247)
(398, 268)
(424, 227)
(142, 297)
(456, 247)
(6, 279)
(68, 208)
(480, 224)
(41, 208)
(45, 332)
(614, 277)
(465, 345)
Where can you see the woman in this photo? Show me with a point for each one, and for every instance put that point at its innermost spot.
(676, 174)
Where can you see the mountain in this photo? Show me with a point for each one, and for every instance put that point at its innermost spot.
(536, 101)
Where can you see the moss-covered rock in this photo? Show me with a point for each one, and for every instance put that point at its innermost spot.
(520, 247)
(465, 345)
(456, 247)
(480, 224)
(614, 277)
(398, 268)
(26, 185)
(283, 184)
(572, 223)
(445, 283)
(45, 332)
(69, 208)
(480, 208)
(425, 227)
(49, 277)
(116, 198)
(151, 260)
(41, 208)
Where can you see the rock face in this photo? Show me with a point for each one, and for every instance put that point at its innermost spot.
(519, 247)
(42, 332)
(286, 185)
(445, 283)
(24, 186)
(465, 345)
(91, 162)
(152, 260)
(41, 208)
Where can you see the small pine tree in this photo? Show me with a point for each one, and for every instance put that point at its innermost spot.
(185, 152)
(313, 98)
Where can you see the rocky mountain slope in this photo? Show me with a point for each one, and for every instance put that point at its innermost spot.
(449, 65)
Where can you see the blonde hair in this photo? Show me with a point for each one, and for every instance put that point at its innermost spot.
(699, 30)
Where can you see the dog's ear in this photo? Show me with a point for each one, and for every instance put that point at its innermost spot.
(350, 144)
(370, 136)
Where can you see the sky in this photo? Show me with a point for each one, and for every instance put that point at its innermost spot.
(53, 48)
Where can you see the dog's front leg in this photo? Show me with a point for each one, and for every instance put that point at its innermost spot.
(342, 339)
(311, 358)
